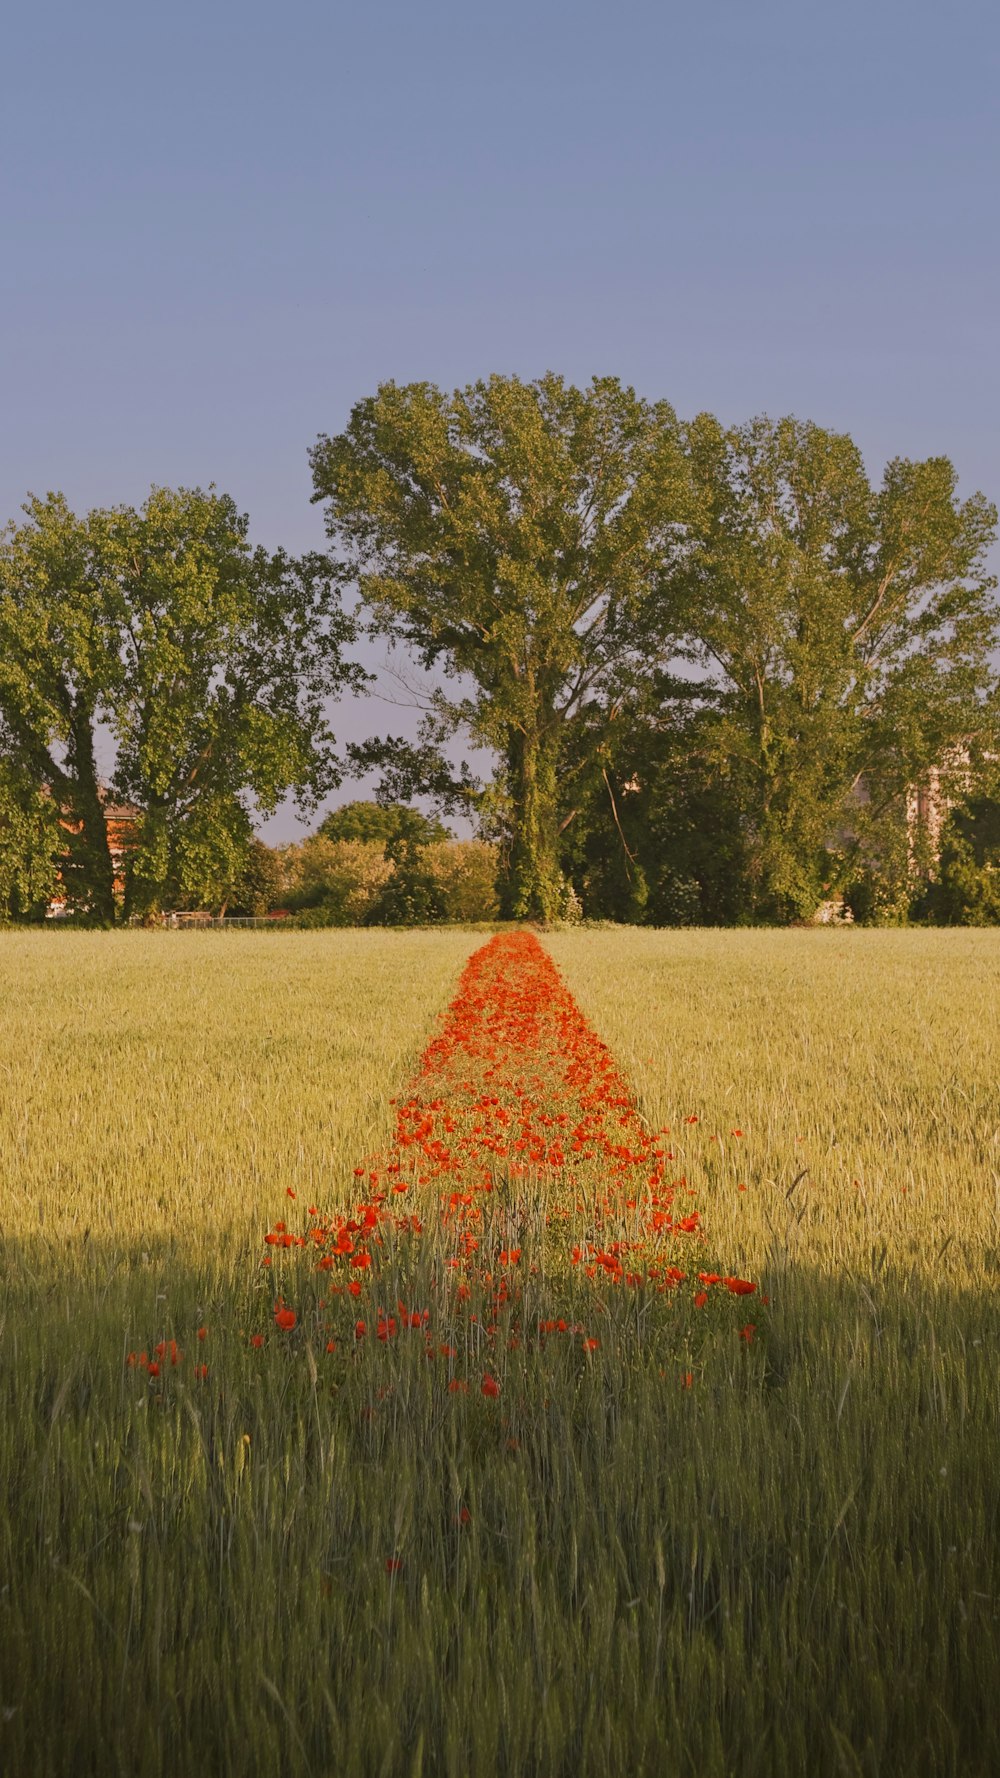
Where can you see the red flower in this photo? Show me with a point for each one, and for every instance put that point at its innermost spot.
(257, 1340)
(747, 1333)
(490, 1386)
(393, 1564)
(285, 1319)
(203, 1333)
(701, 1298)
(740, 1286)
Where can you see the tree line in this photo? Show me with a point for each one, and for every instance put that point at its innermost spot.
(716, 668)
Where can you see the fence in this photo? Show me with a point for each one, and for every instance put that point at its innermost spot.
(207, 922)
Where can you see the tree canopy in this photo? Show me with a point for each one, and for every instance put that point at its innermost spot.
(389, 823)
(200, 665)
(842, 634)
(511, 534)
(721, 673)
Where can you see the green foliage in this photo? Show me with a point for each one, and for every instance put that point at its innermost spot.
(259, 887)
(30, 838)
(711, 665)
(412, 896)
(60, 672)
(464, 877)
(511, 534)
(391, 824)
(209, 662)
(967, 887)
(846, 631)
(334, 882)
(354, 882)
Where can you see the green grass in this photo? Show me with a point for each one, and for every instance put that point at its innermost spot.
(790, 1567)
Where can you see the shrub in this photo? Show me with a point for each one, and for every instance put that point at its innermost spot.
(338, 882)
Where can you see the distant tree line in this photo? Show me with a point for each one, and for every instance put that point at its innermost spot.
(714, 667)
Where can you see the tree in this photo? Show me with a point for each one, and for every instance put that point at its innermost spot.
(512, 534)
(390, 823)
(334, 882)
(205, 663)
(844, 633)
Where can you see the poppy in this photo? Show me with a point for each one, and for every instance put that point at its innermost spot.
(740, 1286)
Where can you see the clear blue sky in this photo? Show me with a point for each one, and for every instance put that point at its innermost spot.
(223, 223)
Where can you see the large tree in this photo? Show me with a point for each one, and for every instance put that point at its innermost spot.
(843, 634)
(511, 534)
(198, 665)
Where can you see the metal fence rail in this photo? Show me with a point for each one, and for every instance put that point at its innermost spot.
(209, 923)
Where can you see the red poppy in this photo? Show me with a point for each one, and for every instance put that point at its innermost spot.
(490, 1386)
(740, 1286)
(285, 1319)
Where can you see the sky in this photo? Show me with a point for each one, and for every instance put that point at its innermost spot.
(223, 224)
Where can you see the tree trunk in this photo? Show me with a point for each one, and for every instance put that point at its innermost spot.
(534, 886)
(90, 872)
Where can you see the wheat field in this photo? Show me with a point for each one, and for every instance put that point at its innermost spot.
(698, 1548)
